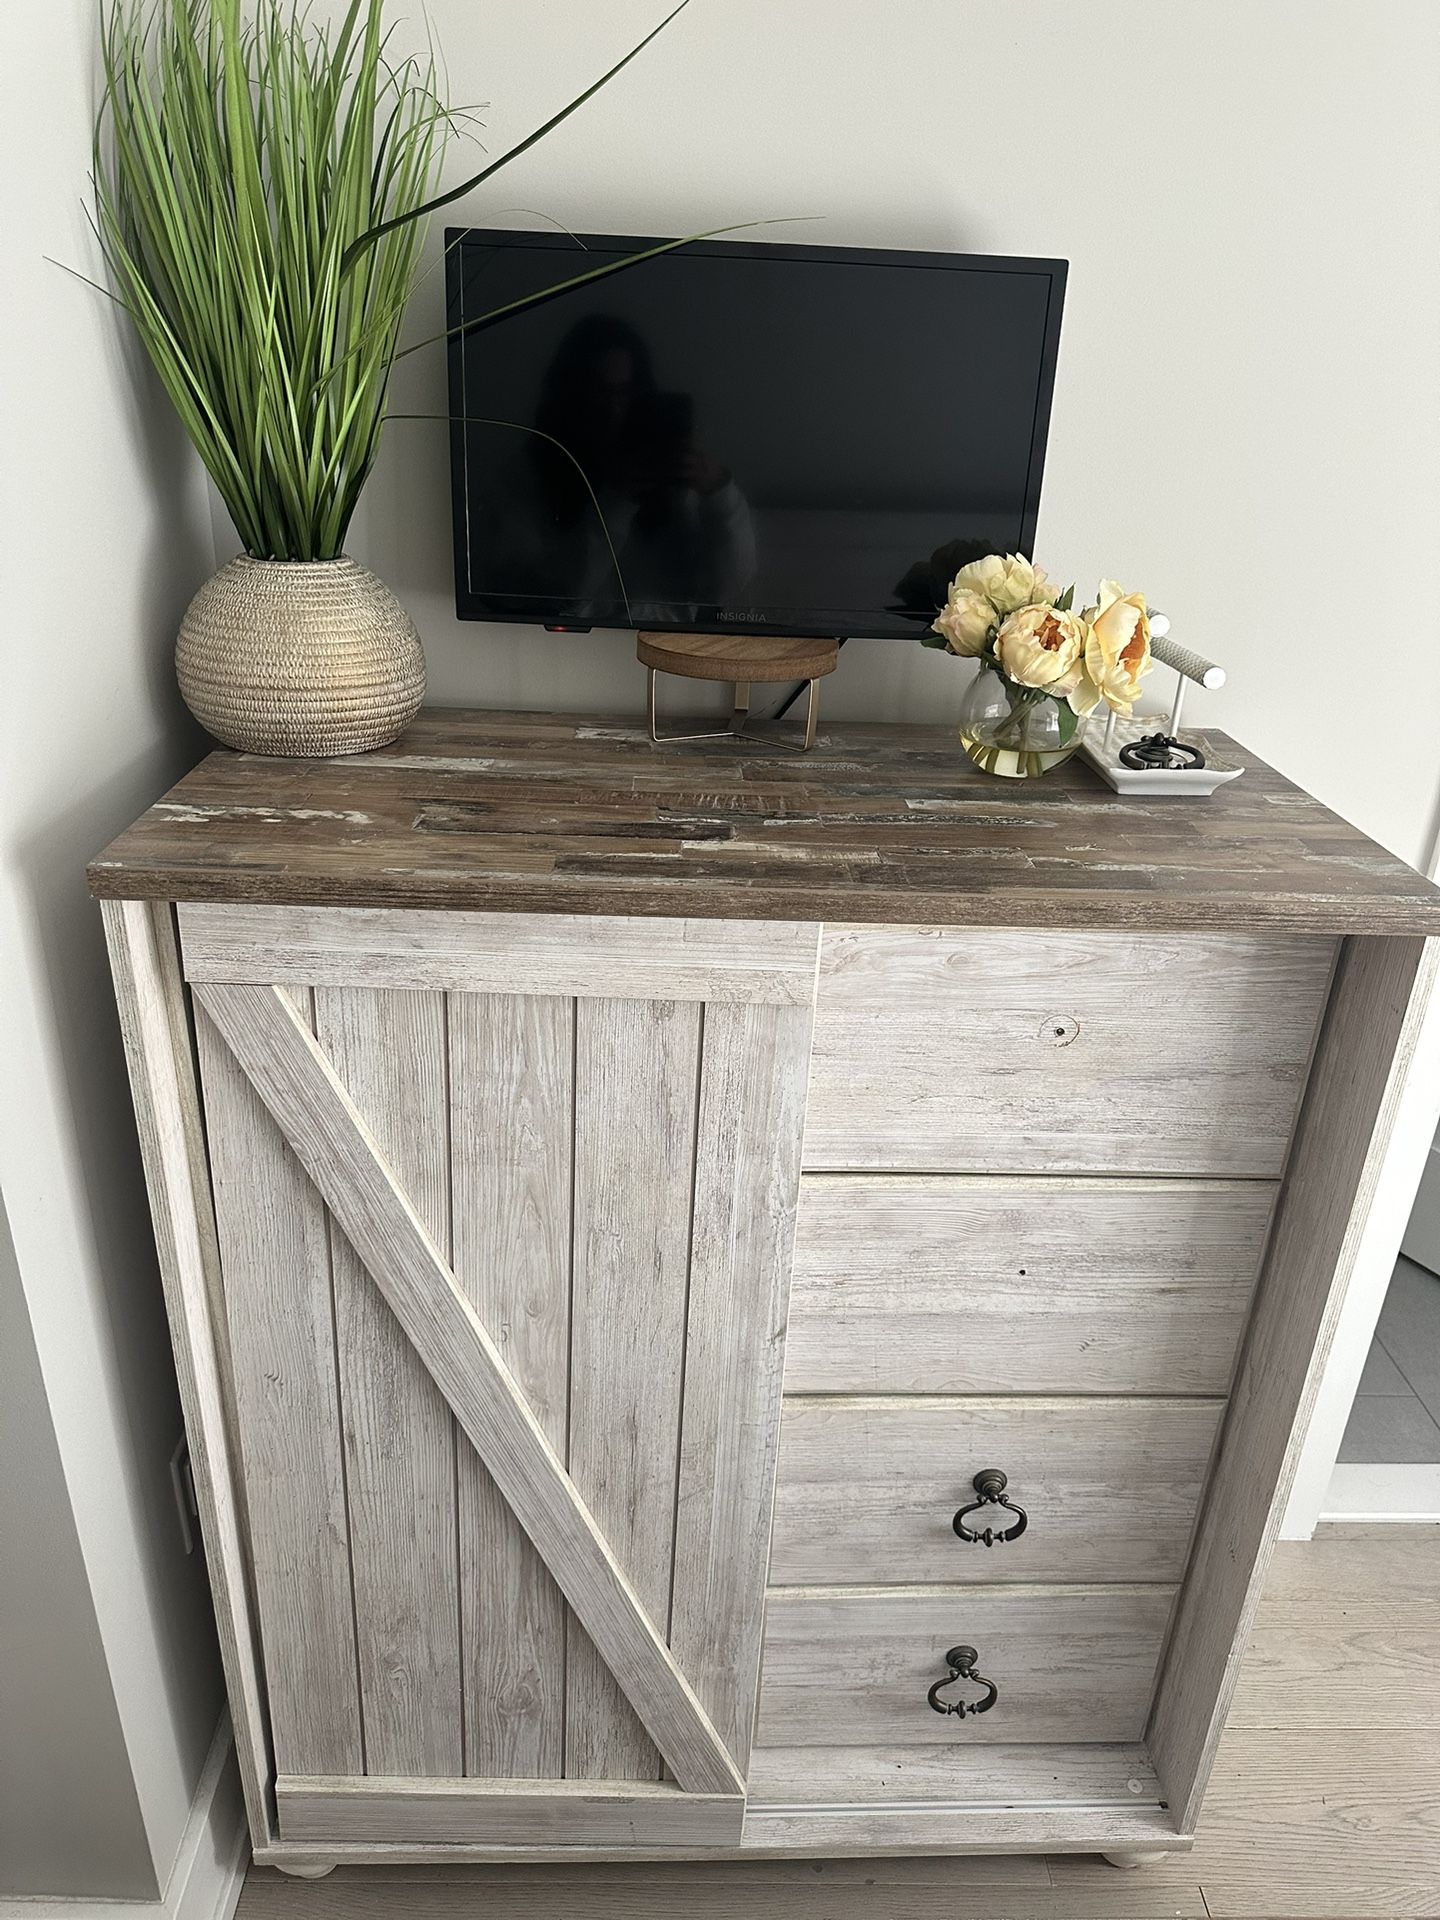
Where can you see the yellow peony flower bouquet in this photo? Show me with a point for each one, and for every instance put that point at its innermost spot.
(1043, 667)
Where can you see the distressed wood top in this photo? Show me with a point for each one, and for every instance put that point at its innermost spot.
(527, 812)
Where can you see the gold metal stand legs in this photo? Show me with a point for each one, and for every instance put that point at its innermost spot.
(740, 714)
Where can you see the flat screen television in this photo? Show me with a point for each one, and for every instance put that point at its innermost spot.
(740, 437)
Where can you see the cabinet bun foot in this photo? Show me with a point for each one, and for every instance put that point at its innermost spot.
(315, 1871)
(1128, 1860)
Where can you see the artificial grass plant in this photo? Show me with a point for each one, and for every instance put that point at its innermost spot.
(262, 187)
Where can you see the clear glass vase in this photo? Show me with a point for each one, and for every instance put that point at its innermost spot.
(1017, 732)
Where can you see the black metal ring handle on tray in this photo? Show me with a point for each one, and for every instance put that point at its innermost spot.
(1161, 752)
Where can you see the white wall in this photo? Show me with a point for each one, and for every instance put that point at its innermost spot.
(1248, 192)
(61, 1745)
(105, 535)
(1422, 1236)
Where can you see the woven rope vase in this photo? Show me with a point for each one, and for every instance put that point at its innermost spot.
(309, 657)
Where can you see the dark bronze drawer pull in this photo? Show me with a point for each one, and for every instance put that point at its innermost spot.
(990, 1485)
(961, 1662)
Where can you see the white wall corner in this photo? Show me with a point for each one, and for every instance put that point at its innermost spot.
(209, 1867)
(1422, 1237)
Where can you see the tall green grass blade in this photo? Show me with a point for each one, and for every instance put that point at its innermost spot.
(539, 433)
(263, 180)
(603, 272)
(477, 179)
(239, 153)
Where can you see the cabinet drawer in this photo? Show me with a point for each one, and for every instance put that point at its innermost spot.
(851, 1667)
(985, 1051)
(933, 1284)
(868, 1489)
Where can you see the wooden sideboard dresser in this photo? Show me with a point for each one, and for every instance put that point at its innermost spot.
(619, 1203)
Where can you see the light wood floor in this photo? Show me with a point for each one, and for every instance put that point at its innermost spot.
(1325, 1801)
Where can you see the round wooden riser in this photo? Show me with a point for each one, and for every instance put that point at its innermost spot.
(743, 659)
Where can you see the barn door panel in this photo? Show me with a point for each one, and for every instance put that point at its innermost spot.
(397, 1431)
(748, 1128)
(637, 1074)
(275, 1259)
(512, 1062)
(546, 1238)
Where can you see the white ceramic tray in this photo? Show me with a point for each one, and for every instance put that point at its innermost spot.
(1196, 782)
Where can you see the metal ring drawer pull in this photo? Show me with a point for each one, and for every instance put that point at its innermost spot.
(990, 1485)
(961, 1662)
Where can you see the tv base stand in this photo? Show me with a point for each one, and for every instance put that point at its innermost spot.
(743, 659)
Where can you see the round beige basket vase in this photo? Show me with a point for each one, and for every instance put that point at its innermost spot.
(299, 657)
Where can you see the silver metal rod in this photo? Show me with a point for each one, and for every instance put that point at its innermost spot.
(1172, 725)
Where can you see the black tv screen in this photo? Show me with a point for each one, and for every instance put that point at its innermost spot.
(772, 439)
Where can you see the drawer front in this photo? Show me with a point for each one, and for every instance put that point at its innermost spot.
(985, 1051)
(852, 1667)
(868, 1489)
(942, 1285)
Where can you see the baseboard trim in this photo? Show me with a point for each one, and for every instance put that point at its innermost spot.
(209, 1868)
(1383, 1493)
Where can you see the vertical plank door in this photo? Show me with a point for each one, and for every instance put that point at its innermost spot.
(505, 1257)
